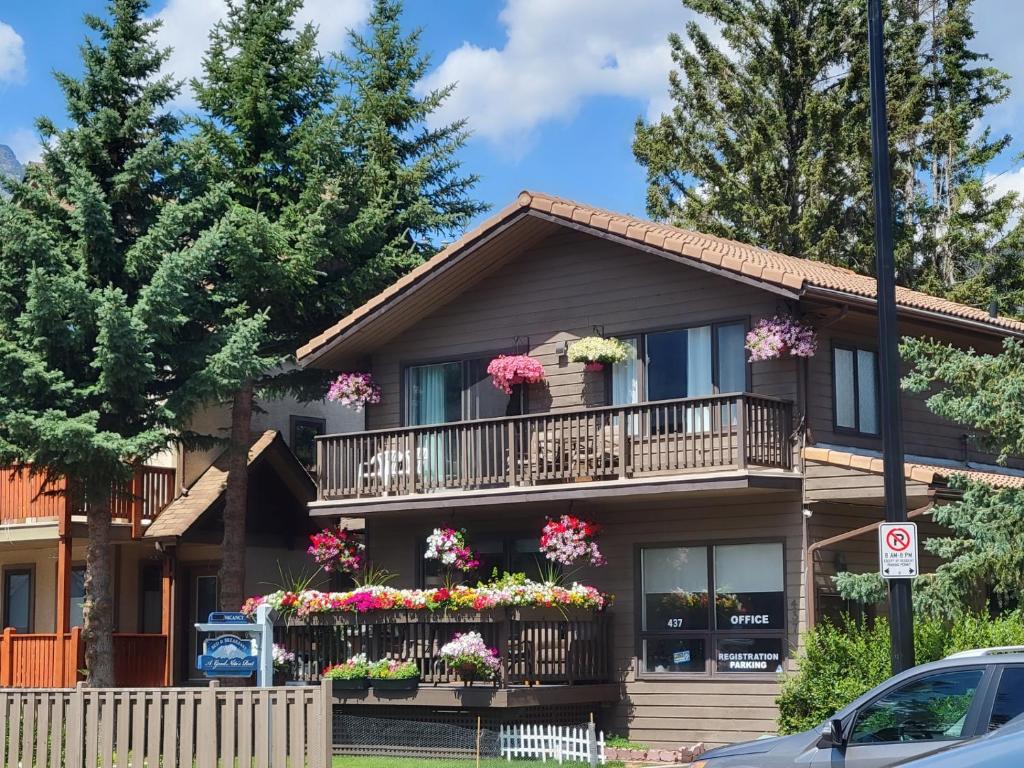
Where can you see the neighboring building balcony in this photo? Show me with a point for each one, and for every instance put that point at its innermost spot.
(612, 445)
(27, 498)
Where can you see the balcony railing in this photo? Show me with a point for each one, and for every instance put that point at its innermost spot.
(24, 496)
(534, 645)
(612, 442)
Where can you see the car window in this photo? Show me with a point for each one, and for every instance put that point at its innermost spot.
(929, 708)
(1009, 701)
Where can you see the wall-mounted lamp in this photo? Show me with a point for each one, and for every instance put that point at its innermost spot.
(563, 348)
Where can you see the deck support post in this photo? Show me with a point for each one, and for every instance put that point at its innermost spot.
(63, 612)
(167, 613)
(138, 491)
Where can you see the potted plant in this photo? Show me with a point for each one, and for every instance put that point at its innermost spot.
(595, 352)
(774, 337)
(468, 655)
(356, 390)
(506, 371)
(336, 550)
(283, 659)
(350, 675)
(394, 675)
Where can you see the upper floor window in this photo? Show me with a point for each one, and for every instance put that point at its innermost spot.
(855, 389)
(684, 362)
(304, 431)
(457, 390)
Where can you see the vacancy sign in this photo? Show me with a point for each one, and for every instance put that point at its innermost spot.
(897, 550)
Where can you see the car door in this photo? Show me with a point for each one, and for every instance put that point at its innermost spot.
(1007, 697)
(918, 716)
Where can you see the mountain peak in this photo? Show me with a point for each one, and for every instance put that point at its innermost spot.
(9, 165)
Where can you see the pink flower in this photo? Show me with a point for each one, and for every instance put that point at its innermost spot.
(772, 337)
(508, 370)
(355, 390)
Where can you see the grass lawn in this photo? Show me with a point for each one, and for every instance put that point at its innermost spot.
(489, 762)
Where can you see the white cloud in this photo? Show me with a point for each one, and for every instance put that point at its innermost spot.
(12, 55)
(187, 23)
(1008, 181)
(557, 55)
(24, 142)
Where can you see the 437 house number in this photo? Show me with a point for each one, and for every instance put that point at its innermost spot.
(738, 620)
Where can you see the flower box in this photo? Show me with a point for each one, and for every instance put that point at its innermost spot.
(341, 687)
(395, 684)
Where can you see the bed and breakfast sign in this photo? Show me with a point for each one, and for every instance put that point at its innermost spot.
(897, 550)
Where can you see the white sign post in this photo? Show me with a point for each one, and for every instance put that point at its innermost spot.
(897, 550)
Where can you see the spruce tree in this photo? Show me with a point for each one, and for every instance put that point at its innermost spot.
(768, 141)
(94, 377)
(332, 195)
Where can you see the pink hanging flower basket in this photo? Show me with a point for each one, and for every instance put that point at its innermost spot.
(508, 370)
(774, 337)
(356, 390)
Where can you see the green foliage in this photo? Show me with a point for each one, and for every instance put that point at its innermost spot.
(392, 669)
(768, 140)
(621, 742)
(839, 663)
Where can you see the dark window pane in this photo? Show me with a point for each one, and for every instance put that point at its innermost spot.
(77, 597)
(18, 600)
(867, 395)
(666, 365)
(206, 597)
(674, 655)
(675, 585)
(151, 616)
(749, 587)
(931, 708)
(749, 654)
(732, 358)
(527, 558)
(483, 399)
(304, 433)
(843, 390)
(434, 393)
(1009, 697)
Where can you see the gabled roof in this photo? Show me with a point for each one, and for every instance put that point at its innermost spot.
(733, 259)
(182, 513)
(926, 470)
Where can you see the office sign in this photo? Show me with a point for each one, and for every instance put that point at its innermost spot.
(897, 550)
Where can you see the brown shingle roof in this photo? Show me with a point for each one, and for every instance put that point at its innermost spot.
(773, 268)
(915, 469)
(178, 516)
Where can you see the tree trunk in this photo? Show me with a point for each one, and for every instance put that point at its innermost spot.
(98, 611)
(232, 566)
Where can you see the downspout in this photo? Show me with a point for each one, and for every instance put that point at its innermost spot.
(837, 539)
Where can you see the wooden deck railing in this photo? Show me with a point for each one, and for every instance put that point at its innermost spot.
(542, 646)
(28, 660)
(24, 496)
(657, 438)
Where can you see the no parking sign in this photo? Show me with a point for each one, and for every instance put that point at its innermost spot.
(897, 550)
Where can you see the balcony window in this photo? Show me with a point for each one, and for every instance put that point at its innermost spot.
(855, 389)
(456, 391)
(304, 431)
(685, 362)
(500, 554)
(741, 630)
(19, 596)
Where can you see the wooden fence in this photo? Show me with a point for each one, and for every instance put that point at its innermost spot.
(210, 727)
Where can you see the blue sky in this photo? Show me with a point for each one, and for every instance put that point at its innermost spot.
(551, 87)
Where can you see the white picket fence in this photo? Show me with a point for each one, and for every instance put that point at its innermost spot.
(560, 744)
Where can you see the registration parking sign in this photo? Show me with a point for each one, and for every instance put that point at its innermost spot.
(897, 550)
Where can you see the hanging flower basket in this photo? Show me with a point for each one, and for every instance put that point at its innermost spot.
(356, 390)
(570, 539)
(595, 352)
(448, 546)
(781, 335)
(336, 550)
(508, 370)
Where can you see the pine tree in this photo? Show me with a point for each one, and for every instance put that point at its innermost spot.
(331, 196)
(768, 141)
(94, 378)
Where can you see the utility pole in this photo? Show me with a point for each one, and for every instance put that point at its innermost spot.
(901, 611)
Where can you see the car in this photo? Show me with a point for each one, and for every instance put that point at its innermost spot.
(1001, 748)
(913, 714)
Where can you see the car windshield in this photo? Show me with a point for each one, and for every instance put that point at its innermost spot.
(933, 707)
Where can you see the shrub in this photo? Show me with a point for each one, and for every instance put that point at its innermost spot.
(392, 669)
(839, 663)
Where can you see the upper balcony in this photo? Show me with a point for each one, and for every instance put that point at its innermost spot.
(475, 460)
(27, 498)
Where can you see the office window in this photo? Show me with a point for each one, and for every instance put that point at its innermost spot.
(682, 629)
(304, 431)
(18, 599)
(855, 389)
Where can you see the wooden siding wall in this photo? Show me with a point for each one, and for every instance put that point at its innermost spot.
(925, 434)
(557, 291)
(664, 713)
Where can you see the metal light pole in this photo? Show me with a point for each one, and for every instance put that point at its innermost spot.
(901, 612)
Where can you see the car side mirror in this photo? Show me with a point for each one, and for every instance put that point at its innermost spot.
(832, 734)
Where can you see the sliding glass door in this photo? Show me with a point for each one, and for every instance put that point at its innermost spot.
(433, 396)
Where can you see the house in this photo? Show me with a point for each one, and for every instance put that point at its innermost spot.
(712, 477)
(166, 542)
